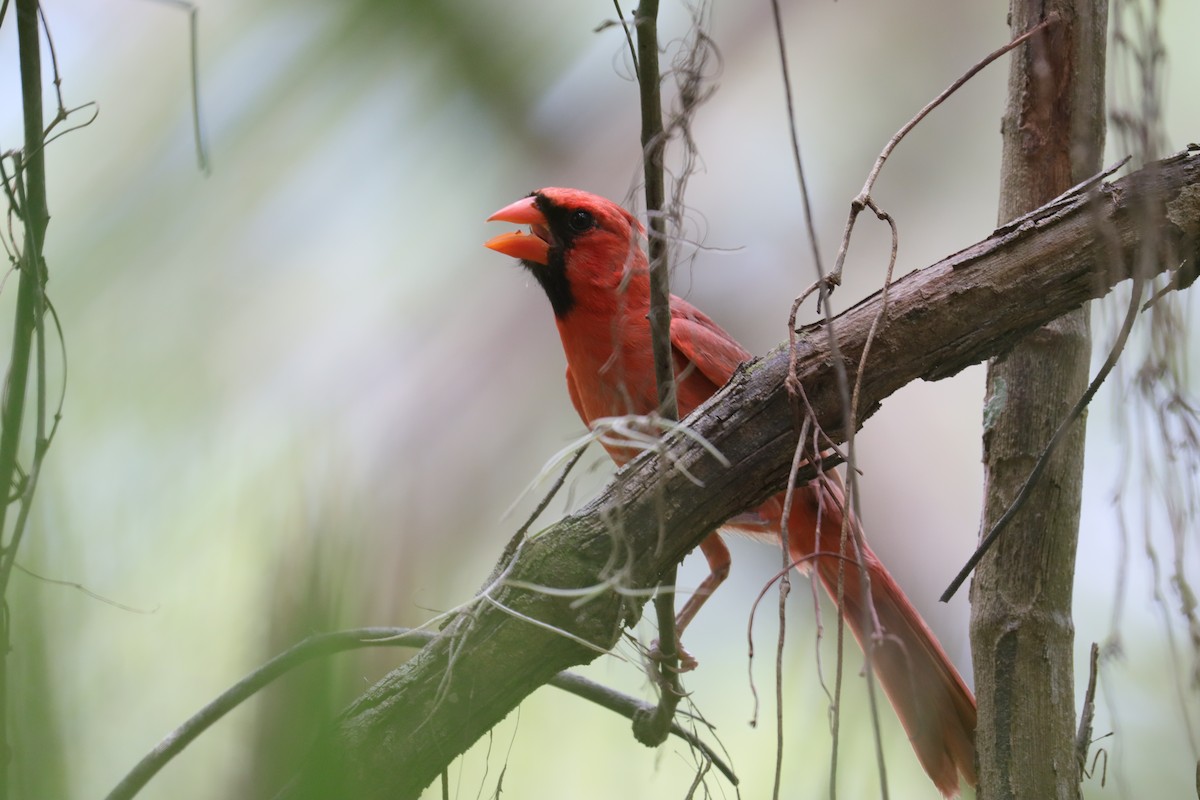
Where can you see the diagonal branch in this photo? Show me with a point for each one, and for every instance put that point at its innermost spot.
(397, 737)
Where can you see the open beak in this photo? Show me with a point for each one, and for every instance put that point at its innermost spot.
(533, 246)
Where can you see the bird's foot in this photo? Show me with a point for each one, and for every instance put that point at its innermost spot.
(687, 662)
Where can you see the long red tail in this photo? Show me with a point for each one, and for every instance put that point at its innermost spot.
(935, 707)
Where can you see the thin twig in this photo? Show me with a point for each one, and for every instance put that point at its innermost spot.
(795, 136)
(1063, 428)
(835, 708)
(784, 591)
(329, 644)
(754, 611)
(66, 115)
(61, 112)
(785, 587)
(637, 70)
(628, 707)
(313, 647)
(194, 57)
(197, 119)
(860, 202)
(1083, 739)
(79, 587)
(697, 780)
(510, 549)
(653, 145)
(823, 285)
(854, 532)
(785, 550)
(652, 728)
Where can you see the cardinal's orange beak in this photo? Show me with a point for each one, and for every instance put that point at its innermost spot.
(533, 246)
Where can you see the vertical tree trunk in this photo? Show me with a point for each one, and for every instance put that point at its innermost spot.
(1021, 629)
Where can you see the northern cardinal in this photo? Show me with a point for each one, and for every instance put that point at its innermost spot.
(586, 253)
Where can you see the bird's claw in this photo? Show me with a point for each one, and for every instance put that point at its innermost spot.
(687, 662)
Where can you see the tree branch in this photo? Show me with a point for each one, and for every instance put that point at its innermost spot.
(396, 738)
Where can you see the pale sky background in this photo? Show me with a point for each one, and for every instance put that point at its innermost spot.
(302, 395)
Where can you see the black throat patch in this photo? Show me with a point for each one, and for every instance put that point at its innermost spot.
(553, 278)
(553, 275)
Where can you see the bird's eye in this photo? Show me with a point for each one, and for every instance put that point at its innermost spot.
(581, 221)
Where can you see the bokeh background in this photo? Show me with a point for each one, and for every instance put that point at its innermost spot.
(302, 396)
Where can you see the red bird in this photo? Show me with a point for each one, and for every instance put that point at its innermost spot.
(586, 253)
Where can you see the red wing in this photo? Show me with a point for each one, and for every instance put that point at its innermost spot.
(704, 343)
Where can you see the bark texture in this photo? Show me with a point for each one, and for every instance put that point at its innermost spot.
(1022, 634)
(396, 738)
